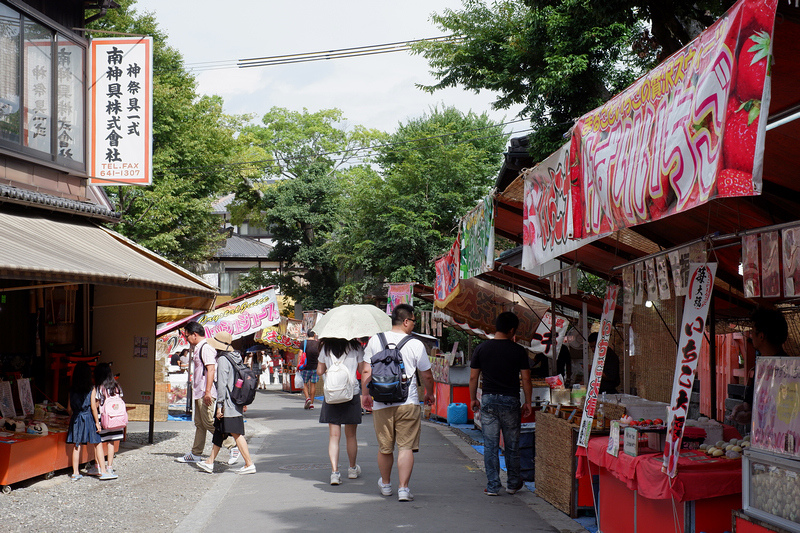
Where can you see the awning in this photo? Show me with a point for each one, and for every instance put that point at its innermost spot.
(50, 249)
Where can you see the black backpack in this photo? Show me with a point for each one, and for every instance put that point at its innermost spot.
(389, 383)
(245, 382)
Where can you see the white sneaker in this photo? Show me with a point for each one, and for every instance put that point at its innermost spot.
(336, 478)
(247, 469)
(386, 488)
(189, 458)
(404, 494)
(353, 473)
(205, 467)
(235, 454)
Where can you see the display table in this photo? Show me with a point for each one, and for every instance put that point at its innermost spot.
(635, 496)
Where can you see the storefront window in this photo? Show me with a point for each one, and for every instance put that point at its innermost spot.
(42, 101)
(9, 74)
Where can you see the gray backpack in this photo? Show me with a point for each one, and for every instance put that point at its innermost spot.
(389, 383)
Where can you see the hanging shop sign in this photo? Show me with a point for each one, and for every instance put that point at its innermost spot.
(399, 293)
(448, 268)
(542, 341)
(599, 361)
(695, 312)
(245, 317)
(547, 212)
(121, 101)
(273, 337)
(776, 406)
(689, 131)
(477, 239)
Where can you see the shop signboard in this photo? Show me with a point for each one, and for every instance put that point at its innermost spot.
(776, 411)
(448, 268)
(245, 317)
(689, 131)
(121, 104)
(593, 388)
(542, 341)
(693, 328)
(477, 239)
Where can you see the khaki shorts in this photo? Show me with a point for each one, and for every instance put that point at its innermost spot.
(400, 424)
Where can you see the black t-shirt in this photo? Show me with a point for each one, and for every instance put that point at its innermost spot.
(312, 354)
(500, 361)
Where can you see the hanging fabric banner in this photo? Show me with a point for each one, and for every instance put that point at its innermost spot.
(652, 282)
(791, 262)
(399, 293)
(599, 361)
(639, 290)
(695, 312)
(542, 341)
(448, 268)
(663, 278)
(770, 268)
(689, 131)
(751, 267)
(675, 266)
(627, 294)
(477, 239)
(244, 317)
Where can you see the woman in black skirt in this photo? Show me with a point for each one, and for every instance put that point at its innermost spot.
(351, 354)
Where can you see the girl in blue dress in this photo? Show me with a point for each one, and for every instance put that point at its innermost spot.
(84, 421)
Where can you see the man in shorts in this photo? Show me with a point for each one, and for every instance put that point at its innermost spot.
(309, 372)
(398, 424)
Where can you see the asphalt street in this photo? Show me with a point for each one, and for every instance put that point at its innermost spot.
(291, 490)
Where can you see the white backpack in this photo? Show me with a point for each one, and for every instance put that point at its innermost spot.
(339, 384)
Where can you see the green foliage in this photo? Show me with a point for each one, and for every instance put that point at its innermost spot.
(592, 284)
(256, 278)
(559, 58)
(192, 140)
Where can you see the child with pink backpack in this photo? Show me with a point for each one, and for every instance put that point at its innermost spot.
(113, 414)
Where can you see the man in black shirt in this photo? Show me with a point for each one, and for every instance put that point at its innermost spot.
(501, 361)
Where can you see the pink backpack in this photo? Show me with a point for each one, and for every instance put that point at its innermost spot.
(113, 413)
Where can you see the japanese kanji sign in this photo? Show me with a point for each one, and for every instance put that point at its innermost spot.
(243, 318)
(121, 99)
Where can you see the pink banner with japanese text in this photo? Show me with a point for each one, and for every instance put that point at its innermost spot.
(447, 275)
(244, 317)
(689, 131)
(599, 361)
(547, 212)
(692, 331)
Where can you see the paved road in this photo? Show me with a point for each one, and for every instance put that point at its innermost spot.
(291, 490)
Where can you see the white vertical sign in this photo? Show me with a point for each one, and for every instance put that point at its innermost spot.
(693, 327)
(121, 102)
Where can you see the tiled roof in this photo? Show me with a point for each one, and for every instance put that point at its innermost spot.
(9, 193)
(237, 246)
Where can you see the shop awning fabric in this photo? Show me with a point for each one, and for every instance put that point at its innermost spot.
(52, 250)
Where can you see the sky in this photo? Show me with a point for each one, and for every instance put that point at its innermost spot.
(374, 91)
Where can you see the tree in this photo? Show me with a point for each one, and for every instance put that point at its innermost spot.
(298, 196)
(193, 141)
(399, 219)
(559, 58)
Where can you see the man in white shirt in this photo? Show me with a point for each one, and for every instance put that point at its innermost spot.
(204, 358)
(398, 424)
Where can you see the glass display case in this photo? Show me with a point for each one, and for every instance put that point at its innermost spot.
(771, 489)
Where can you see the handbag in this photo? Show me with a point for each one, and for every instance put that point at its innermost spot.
(298, 381)
(302, 361)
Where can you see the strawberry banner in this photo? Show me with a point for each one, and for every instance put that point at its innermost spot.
(689, 131)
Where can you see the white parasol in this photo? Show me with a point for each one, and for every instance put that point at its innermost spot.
(352, 322)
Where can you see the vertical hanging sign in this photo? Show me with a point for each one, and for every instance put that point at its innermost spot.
(121, 102)
(695, 312)
(593, 388)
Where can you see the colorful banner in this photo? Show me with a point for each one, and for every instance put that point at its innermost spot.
(695, 312)
(599, 361)
(790, 238)
(751, 267)
(273, 337)
(542, 341)
(689, 131)
(547, 212)
(770, 265)
(244, 317)
(399, 293)
(121, 100)
(448, 268)
(477, 239)
(776, 413)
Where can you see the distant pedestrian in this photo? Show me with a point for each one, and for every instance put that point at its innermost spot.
(351, 355)
(501, 362)
(398, 424)
(204, 358)
(228, 416)
(309, 372)
(84, 421)
(105, 385)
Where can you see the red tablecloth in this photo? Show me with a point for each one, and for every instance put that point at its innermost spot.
(698, 477)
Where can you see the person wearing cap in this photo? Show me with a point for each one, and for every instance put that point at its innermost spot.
(204, 358)
(228, 416)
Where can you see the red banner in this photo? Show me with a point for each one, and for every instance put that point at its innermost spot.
(689, 131)
(447, 275)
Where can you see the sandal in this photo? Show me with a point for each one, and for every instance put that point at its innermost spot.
(75, 477)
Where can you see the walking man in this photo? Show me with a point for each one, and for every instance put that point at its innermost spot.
(501, 361)
(398, 424)
(204, 358)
